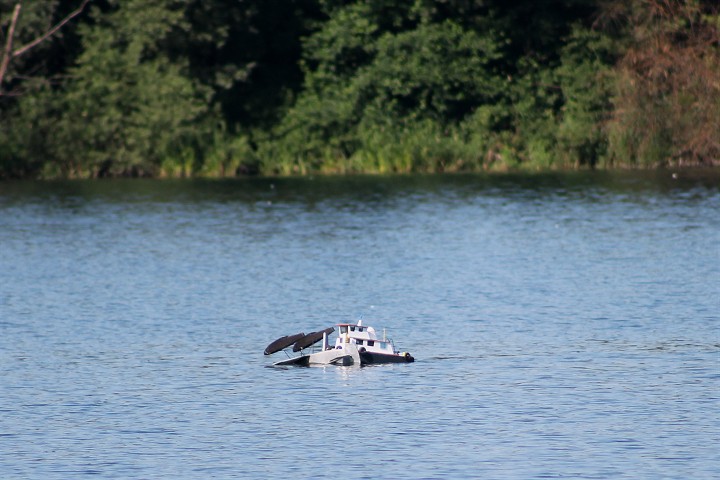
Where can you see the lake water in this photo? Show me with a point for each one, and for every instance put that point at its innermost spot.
(564, 326)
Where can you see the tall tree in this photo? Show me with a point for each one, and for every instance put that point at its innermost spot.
(249, 52)
(22, 38)
(129, 103)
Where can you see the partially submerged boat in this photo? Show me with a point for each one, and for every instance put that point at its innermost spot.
(356, 344)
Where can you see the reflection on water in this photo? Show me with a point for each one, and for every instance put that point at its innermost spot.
(563, 325)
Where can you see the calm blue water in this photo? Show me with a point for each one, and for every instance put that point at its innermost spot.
(565, 326)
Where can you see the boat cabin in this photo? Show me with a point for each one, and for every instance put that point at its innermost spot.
(364, 337)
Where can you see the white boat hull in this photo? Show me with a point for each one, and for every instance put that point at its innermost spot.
(336, 356)
(348, 355)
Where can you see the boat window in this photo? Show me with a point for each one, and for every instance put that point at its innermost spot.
(352, 329)
(359, 342)
(371, 343)
(343, 329)
(360, 329)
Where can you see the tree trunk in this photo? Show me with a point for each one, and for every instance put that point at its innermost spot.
(7, 51)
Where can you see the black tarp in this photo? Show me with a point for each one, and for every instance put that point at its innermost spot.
(282, 342)
(311, 339)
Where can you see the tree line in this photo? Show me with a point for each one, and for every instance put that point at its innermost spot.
(96, 88)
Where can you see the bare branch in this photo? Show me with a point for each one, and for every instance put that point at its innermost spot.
(5, 59)
(50, 32)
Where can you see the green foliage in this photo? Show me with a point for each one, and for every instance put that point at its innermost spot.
(228, 155)
(127, 106)
(434, 74)
(282, 87)
(438, 71)
(420, 146)
(248, 54)
(345, 43)
(587, 81)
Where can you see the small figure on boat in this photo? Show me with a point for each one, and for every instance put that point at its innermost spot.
(356, 344)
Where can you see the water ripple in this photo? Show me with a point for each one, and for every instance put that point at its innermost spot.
(563, 326)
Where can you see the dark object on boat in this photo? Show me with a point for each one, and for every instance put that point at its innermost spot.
(282, 343)
(311, 339)
(301, 361)
(345, 361)
(372, 358)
